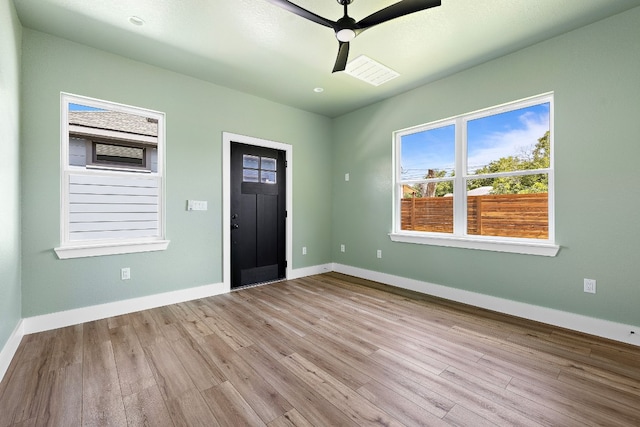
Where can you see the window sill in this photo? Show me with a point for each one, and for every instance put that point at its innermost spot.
(82, 251)
(497, 245)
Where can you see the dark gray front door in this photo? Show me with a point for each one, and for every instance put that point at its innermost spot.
(258, 214)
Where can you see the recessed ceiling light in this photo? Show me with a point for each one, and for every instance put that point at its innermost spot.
(136, 20)
(318, 90)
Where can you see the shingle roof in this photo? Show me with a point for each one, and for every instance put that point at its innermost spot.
(113, 120)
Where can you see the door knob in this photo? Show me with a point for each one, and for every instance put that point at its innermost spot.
(234, 226)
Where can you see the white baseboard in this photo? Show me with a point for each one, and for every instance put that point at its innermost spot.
(61, 319)
(577, 322)
(10, 348)
(310, 271)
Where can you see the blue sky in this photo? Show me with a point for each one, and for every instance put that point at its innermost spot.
(489, 138)
(79, 107)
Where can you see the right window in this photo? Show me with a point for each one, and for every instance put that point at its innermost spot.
(482, 180)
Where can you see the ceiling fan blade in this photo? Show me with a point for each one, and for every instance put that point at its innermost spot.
(396, 10)
(341, 60)
(294, 8)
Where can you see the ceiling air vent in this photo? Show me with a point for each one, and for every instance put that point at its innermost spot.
(370, 71)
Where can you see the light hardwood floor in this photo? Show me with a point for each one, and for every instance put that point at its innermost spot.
(326, 350)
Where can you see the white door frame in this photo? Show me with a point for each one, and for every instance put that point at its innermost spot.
(227, 139)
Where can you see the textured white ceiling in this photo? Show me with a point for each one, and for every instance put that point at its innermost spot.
(258, 48)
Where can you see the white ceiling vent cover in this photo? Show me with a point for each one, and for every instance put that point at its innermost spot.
(370, 71)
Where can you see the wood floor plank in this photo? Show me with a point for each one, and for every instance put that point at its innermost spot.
(134, 372)
(311, 405)
(63, 404)
(577, 402)
(229, 406)
(29, 385)
(95, 332)
(146, 408)
(399, 407)
(147, 330)
(202, 371)
(102, 403)
(191, 410)
(292, 418)
(171, 377)
(529, 409)
(263, 397)
(461, 416)
(352, 404)
(67, 347)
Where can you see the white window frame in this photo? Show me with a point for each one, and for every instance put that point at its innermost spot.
(459, 238)
(87, 248)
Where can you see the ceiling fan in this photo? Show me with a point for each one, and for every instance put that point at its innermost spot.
(346, 28)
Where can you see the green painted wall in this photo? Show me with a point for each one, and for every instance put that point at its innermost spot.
(10, 295)
(196, 115)
(594, 73)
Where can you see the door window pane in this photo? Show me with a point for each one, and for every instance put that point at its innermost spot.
(252, 162)
(250, 175)
(268, 163)
(267, 177)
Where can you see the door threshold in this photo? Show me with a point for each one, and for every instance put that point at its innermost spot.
(254, 285)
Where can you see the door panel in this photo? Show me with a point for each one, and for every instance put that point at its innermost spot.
(258, 214)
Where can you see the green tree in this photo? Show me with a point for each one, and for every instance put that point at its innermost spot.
(536, 158)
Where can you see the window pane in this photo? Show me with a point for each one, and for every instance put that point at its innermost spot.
(430, 153)
(252, 162)
(268, 163)
(267, 177)
(495, 208)
(250, 175)
(509, 141)
(434, 214)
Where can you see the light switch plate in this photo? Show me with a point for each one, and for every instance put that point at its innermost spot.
(196, 205)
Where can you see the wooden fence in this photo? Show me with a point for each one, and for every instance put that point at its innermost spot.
(508, 215)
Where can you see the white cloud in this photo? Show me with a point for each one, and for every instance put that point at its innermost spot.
(513, 142)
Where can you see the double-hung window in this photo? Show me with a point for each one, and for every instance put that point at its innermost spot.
(482, 180)
(112, 178)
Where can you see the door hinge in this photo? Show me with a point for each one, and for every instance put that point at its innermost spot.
(286, 214)
(286, 263)
(286, 163)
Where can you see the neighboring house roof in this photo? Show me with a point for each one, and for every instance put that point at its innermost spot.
(480, 191)
(114, 121)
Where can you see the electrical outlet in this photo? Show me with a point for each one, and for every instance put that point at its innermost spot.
(304, 250)
(125, 273)
(343, 248)
(346, 177)
(379, 253)
(590, 286)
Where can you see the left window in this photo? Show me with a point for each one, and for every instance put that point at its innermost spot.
(112, 178)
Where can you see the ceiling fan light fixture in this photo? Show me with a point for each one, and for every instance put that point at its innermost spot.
(346, 35)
